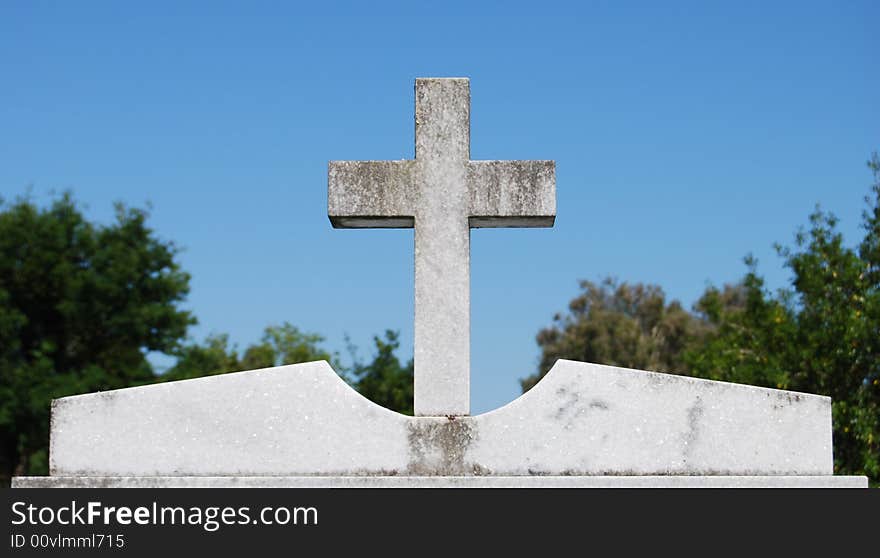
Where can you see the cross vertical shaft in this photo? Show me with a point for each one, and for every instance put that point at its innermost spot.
(442, 249)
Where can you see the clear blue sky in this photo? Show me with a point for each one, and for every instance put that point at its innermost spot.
(686, 135)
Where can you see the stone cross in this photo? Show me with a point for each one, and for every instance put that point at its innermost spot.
(442, 194)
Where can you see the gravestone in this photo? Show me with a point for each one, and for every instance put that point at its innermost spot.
(582, 425)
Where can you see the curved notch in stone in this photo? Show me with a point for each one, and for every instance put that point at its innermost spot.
(581, 419)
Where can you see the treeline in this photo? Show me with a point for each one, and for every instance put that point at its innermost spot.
(81, 305)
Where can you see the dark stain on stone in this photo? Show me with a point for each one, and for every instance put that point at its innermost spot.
(569, 403)
(790, 398)
(53, 411)
(786, 399)
(358, 473)
(656, 379)
(440, 448)
(571, 408)
(598, 404)
(694, 414)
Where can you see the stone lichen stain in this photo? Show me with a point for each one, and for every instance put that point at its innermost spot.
(785, 399)
(694, 414)
(440, 447)
(572, 408)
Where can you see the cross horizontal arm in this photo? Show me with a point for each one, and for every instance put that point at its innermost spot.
(512, 193)
(371, 194)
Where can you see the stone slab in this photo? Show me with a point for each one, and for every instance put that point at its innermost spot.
(826, 481)
(579, 420)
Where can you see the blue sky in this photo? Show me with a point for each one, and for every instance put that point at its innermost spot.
(686, 135)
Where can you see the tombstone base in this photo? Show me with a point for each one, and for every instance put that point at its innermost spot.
(583, 425)
(580, 420)
(689, 481)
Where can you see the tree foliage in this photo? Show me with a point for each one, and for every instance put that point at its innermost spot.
(385, 380)
(280, 344)
(820, 335)
(80, 306)
(620, 324)
(748, 332)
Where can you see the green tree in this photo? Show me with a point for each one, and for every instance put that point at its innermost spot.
(619, 324)
(384, 380)
(194, 360)
(821, 335)
(748, 334)
(80, 306)
(284, 344)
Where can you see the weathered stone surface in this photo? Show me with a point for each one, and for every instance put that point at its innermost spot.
(512, 193)
(303, 420)
(826, 481)
(442, 193)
